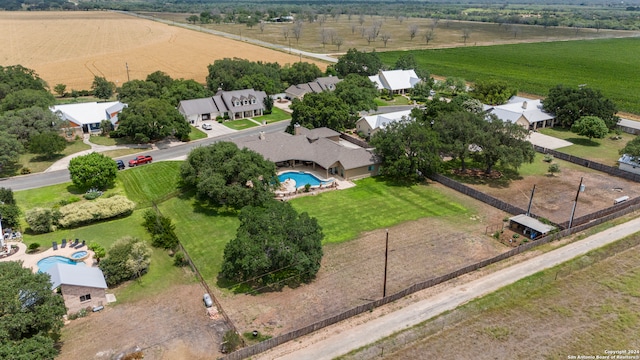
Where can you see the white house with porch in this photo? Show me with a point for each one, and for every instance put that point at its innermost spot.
(86, 117)
(396, 81)
(525, 112)
(369, 125)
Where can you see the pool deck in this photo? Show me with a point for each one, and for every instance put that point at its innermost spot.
(31, 260)
(288, 191)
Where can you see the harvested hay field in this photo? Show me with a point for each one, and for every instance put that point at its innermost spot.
(72, 47)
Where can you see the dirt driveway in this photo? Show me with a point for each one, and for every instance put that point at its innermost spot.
(171, 326)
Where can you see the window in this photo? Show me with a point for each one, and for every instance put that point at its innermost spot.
(371, 167)
(85, 297)
(253, 101)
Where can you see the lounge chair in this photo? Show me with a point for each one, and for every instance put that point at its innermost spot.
(55, 245)
(76, 242)
(64, 243)
(78, 246)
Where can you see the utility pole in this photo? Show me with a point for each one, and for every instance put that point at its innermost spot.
(386, 256)
(531, 200)
(127, 66)
(575, 202)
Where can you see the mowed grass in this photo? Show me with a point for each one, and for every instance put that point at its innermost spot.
(603, 64)
(240, 124)
(151, 182)
(605, 151)
(197, 134)
(203, 230)
(37, 163)
(373, 204)
(275, 116)
(397, 100)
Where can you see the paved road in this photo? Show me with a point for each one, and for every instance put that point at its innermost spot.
(178, 152)
(340, 343)
(282, 48)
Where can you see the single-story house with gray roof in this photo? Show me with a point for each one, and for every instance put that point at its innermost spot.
(80, 286)
(629, 163)
(319, 148)
(525, 112)
(236, 104)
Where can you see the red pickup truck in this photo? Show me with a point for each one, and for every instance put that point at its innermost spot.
(140, 160)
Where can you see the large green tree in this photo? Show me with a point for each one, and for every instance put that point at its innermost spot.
(408, 149)
(25, 123)
(181, 89)
(93, 171)
(17, 77)
(47, 144)
(30, 313)
(102, 88)
(236, 74)
(569, 104)
(503, 142)
(323, 109)
(128, 258)
(591, 127)
(358, 93)
(458, 131)
(226, 175)
(151, 120)
(137, 90)
(26, 98)
(300, 73)
(10, 149)
(356, 62)
(493, 92)
(274, 245)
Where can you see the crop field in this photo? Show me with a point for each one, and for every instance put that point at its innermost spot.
(353, 33)
(72, 47)
(606, 64)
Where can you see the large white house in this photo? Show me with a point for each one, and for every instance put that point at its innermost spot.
(522, 111)
(88, 116)
(369, 125)
(396, 81)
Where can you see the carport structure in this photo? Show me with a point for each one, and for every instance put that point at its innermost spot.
(528, 226)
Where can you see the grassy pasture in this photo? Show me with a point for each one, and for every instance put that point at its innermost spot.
(606, 64)
(151, 182)
(605, 150)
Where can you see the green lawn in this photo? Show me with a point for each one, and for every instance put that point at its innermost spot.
(150, 182)
(109, 141)
(38, 164)
(536, 67)
(197, 134)
(605, 151)
(275, 116)
(375, 204)
(45, 196)
(397, 100)
(203, 231)
(239, 124)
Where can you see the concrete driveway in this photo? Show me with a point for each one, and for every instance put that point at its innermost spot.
(547, 141)
(217, 129)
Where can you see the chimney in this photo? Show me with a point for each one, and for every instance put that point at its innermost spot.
(296, 129)
(261, 136)
(524, 105)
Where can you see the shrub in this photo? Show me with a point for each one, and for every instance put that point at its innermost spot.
(515, 236)
(496, 235)
(92, 194)
(128, 258)
(180, 260)
(25, 171)
(69, 200)
(161, 229)
(548, 158)
(307, 187)
(230, 341)
(86, 212)
(33, 247)
(40, 220)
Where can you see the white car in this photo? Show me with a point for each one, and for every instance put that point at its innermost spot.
(207, 298)
(207, 126)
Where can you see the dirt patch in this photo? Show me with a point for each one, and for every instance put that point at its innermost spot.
(554, 195)
(352, 272)
(171, 325)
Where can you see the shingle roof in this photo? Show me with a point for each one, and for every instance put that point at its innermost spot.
(65, 274)
(280, 147)
(316, 86)
(198, 106)
(230, 97)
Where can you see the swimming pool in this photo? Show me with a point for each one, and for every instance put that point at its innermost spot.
(79, 254)
(302, 178)
(46, 263)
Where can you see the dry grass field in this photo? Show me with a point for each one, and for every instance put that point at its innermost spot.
(444, 33)
(72, 47)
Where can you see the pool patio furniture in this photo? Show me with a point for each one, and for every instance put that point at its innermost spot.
(64, 243)
(54, 245)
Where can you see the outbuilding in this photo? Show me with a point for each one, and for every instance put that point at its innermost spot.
(80, 286)
(528, 226)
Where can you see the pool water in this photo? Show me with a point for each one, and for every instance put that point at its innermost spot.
(46, 263)
(78, 254)
(302, 178)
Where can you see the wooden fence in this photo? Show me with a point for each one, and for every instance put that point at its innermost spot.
(614, 171)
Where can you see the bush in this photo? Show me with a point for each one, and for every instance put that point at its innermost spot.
(180, 260)
(307, 187)
(40, 220)
(161, 229)
(25, 171)
(69, 200)
(128, 258)
(548, 158)
(496, 235)
(101, 209)
(230, 341)
(33, 247)
(93, 194)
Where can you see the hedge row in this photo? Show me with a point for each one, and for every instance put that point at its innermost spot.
(82, 213)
